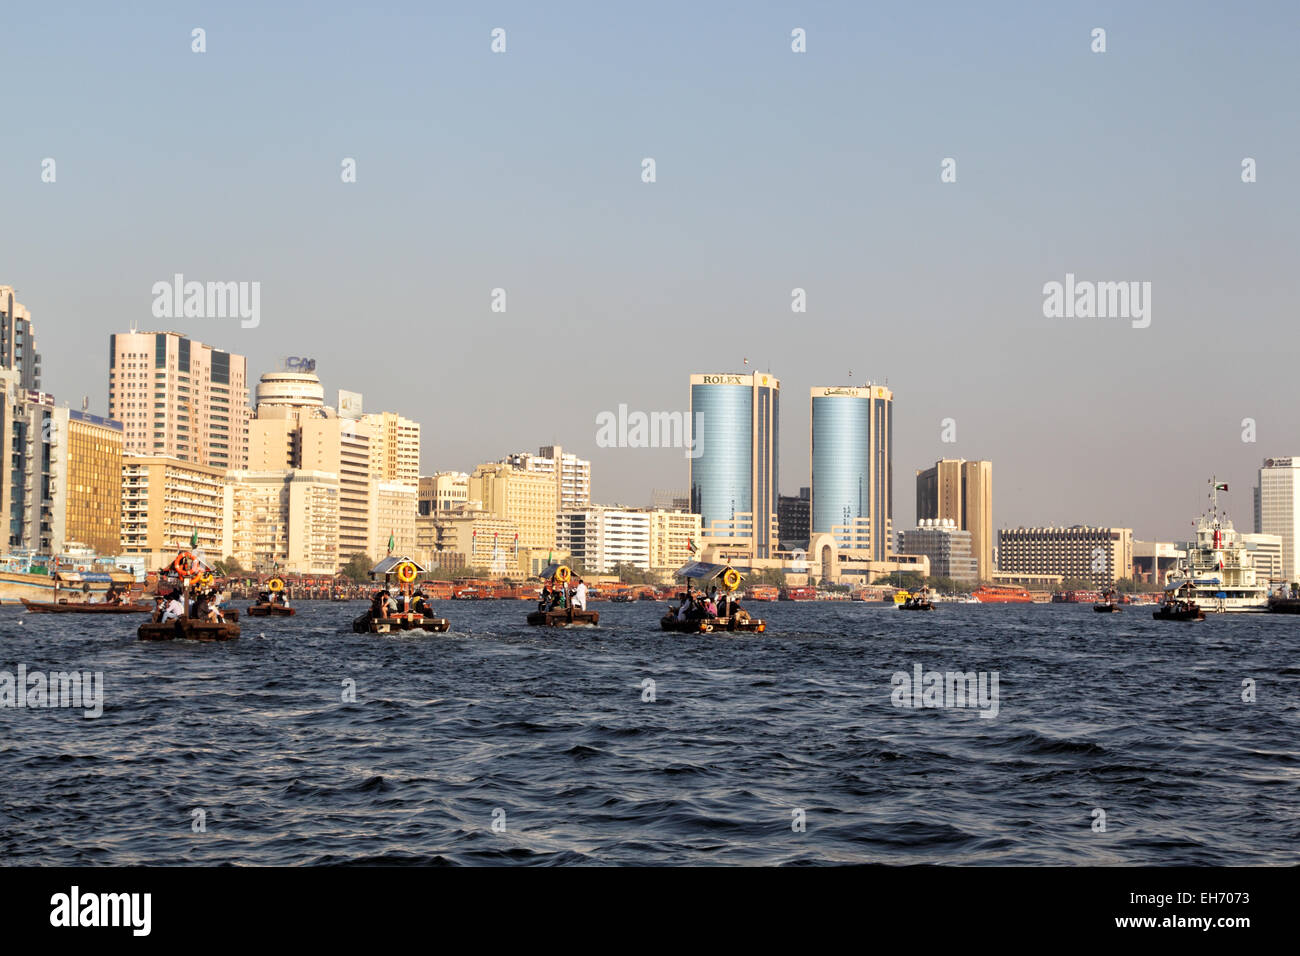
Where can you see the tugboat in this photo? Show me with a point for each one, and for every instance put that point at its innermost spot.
(181, 619)
(409, 610)
(1218, 573)
(920, 601)
(555, 609)
(696, 619)
(272, 602)
(1107, 604)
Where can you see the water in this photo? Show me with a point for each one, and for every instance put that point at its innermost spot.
(1141, 719)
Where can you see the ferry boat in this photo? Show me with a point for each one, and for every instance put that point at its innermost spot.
(798, 594)
(409, 612)
(1218, 573)
(1001, 594)
(558, 576)
(731, 617)
(272, 602)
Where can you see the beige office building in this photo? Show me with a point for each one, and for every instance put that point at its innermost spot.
(961, 491)
(1102, 555)
(481, 540)
(527, 499)
(165, 501)
(572, 474)
(674, 538)
(394, 518)
(179, 398)
(445, 491)
(397, 447)
(284, 520)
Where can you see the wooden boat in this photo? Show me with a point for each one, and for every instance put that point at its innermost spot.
(1105, 607)
(563, 617)
(190, 572)
(64, 607)
(261, 609)
(406, 571)
(1179, 611)
(915, 604)
(707, 625)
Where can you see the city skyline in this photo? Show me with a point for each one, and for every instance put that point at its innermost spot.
(776, 171)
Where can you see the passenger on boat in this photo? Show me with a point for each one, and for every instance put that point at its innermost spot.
(420, 605)
(580, 596)
(174, 610)
(379, 605)
(683, 609)
(710, 606)
(544, 603)
(159, 606)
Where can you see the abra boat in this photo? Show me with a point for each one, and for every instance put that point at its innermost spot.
(559, 575)
(917, 602)
(83, 607)
(1107, 604)
(731, 617)
(1218, 573)
(409, 612)
(271, 607)
(1179, 610)
(191, 574)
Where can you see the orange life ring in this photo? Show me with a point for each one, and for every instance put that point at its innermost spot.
(406, 572)
(275, 585)
(562, 574)
(731, 578)
(184, 564)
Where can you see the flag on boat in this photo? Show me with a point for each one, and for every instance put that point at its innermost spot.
(1220, 486)
(194, 538)
(392, 542)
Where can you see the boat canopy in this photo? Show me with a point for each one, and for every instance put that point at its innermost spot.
(93, 577)
(390, 563)
(703, 570)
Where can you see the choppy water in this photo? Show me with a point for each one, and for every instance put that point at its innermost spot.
(546, 732)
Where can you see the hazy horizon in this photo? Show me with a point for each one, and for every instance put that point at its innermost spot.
(775, 170)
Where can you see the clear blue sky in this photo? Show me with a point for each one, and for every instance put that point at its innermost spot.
(775, 170)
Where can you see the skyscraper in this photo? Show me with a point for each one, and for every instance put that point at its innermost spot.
(962, 491)
(1277, 508)
(18, 341)
(179, 398)
(734, 477)
(851, 451)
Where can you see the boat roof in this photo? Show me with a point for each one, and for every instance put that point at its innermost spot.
(94, 577)
(390, 563)
(703, 570)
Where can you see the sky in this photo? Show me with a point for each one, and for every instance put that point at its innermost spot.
(774, 170)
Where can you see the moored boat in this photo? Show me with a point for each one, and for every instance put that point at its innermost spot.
(83, 607)
(1218, 572)
(1001, 594)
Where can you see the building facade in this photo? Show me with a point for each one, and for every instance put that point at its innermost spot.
(792, 517)
(179, 398)
(1101, 555)
(734, 475)
(851, 467)
(284, 520)
(961, 491)
(444, 491)
(1277, 509)
(603, 538)
(524, 498)
(1266, 555)
(166, 501)
(572, 474)
(18, 341)
(948, 547)
(88, 464)
(397, 447)
(674, 538)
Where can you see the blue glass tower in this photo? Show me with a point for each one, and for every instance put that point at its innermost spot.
(852, 467)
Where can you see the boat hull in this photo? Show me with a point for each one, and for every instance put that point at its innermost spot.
(916, 606)
(563, 618)
(187, 630)
(271, 610)
(46, 607)
(365, 624)
(708, 625)
(1188, 614)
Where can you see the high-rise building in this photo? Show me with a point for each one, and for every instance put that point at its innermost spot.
(961, 491)
(527, 499)
(18, 341)
(674, 538)
(31, 492)
(1102, 555)
(734, 477)
(572, 474)
(166, 501)
(603, 538)
(286, 520)
(397, 447)
(851, 451)
(179, 398)
(87, 463)
(1265, 555)
(947, 546)
(444, 491)
(1277, 509)
(793, 518)
(394, 510)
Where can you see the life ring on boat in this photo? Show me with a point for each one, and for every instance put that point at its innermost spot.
(731, 578)
(406, 572)
(184, 564)
(275, 585)
(562, 574)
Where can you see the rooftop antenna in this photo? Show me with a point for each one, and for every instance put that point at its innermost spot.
(85, 403)
(134, 326)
